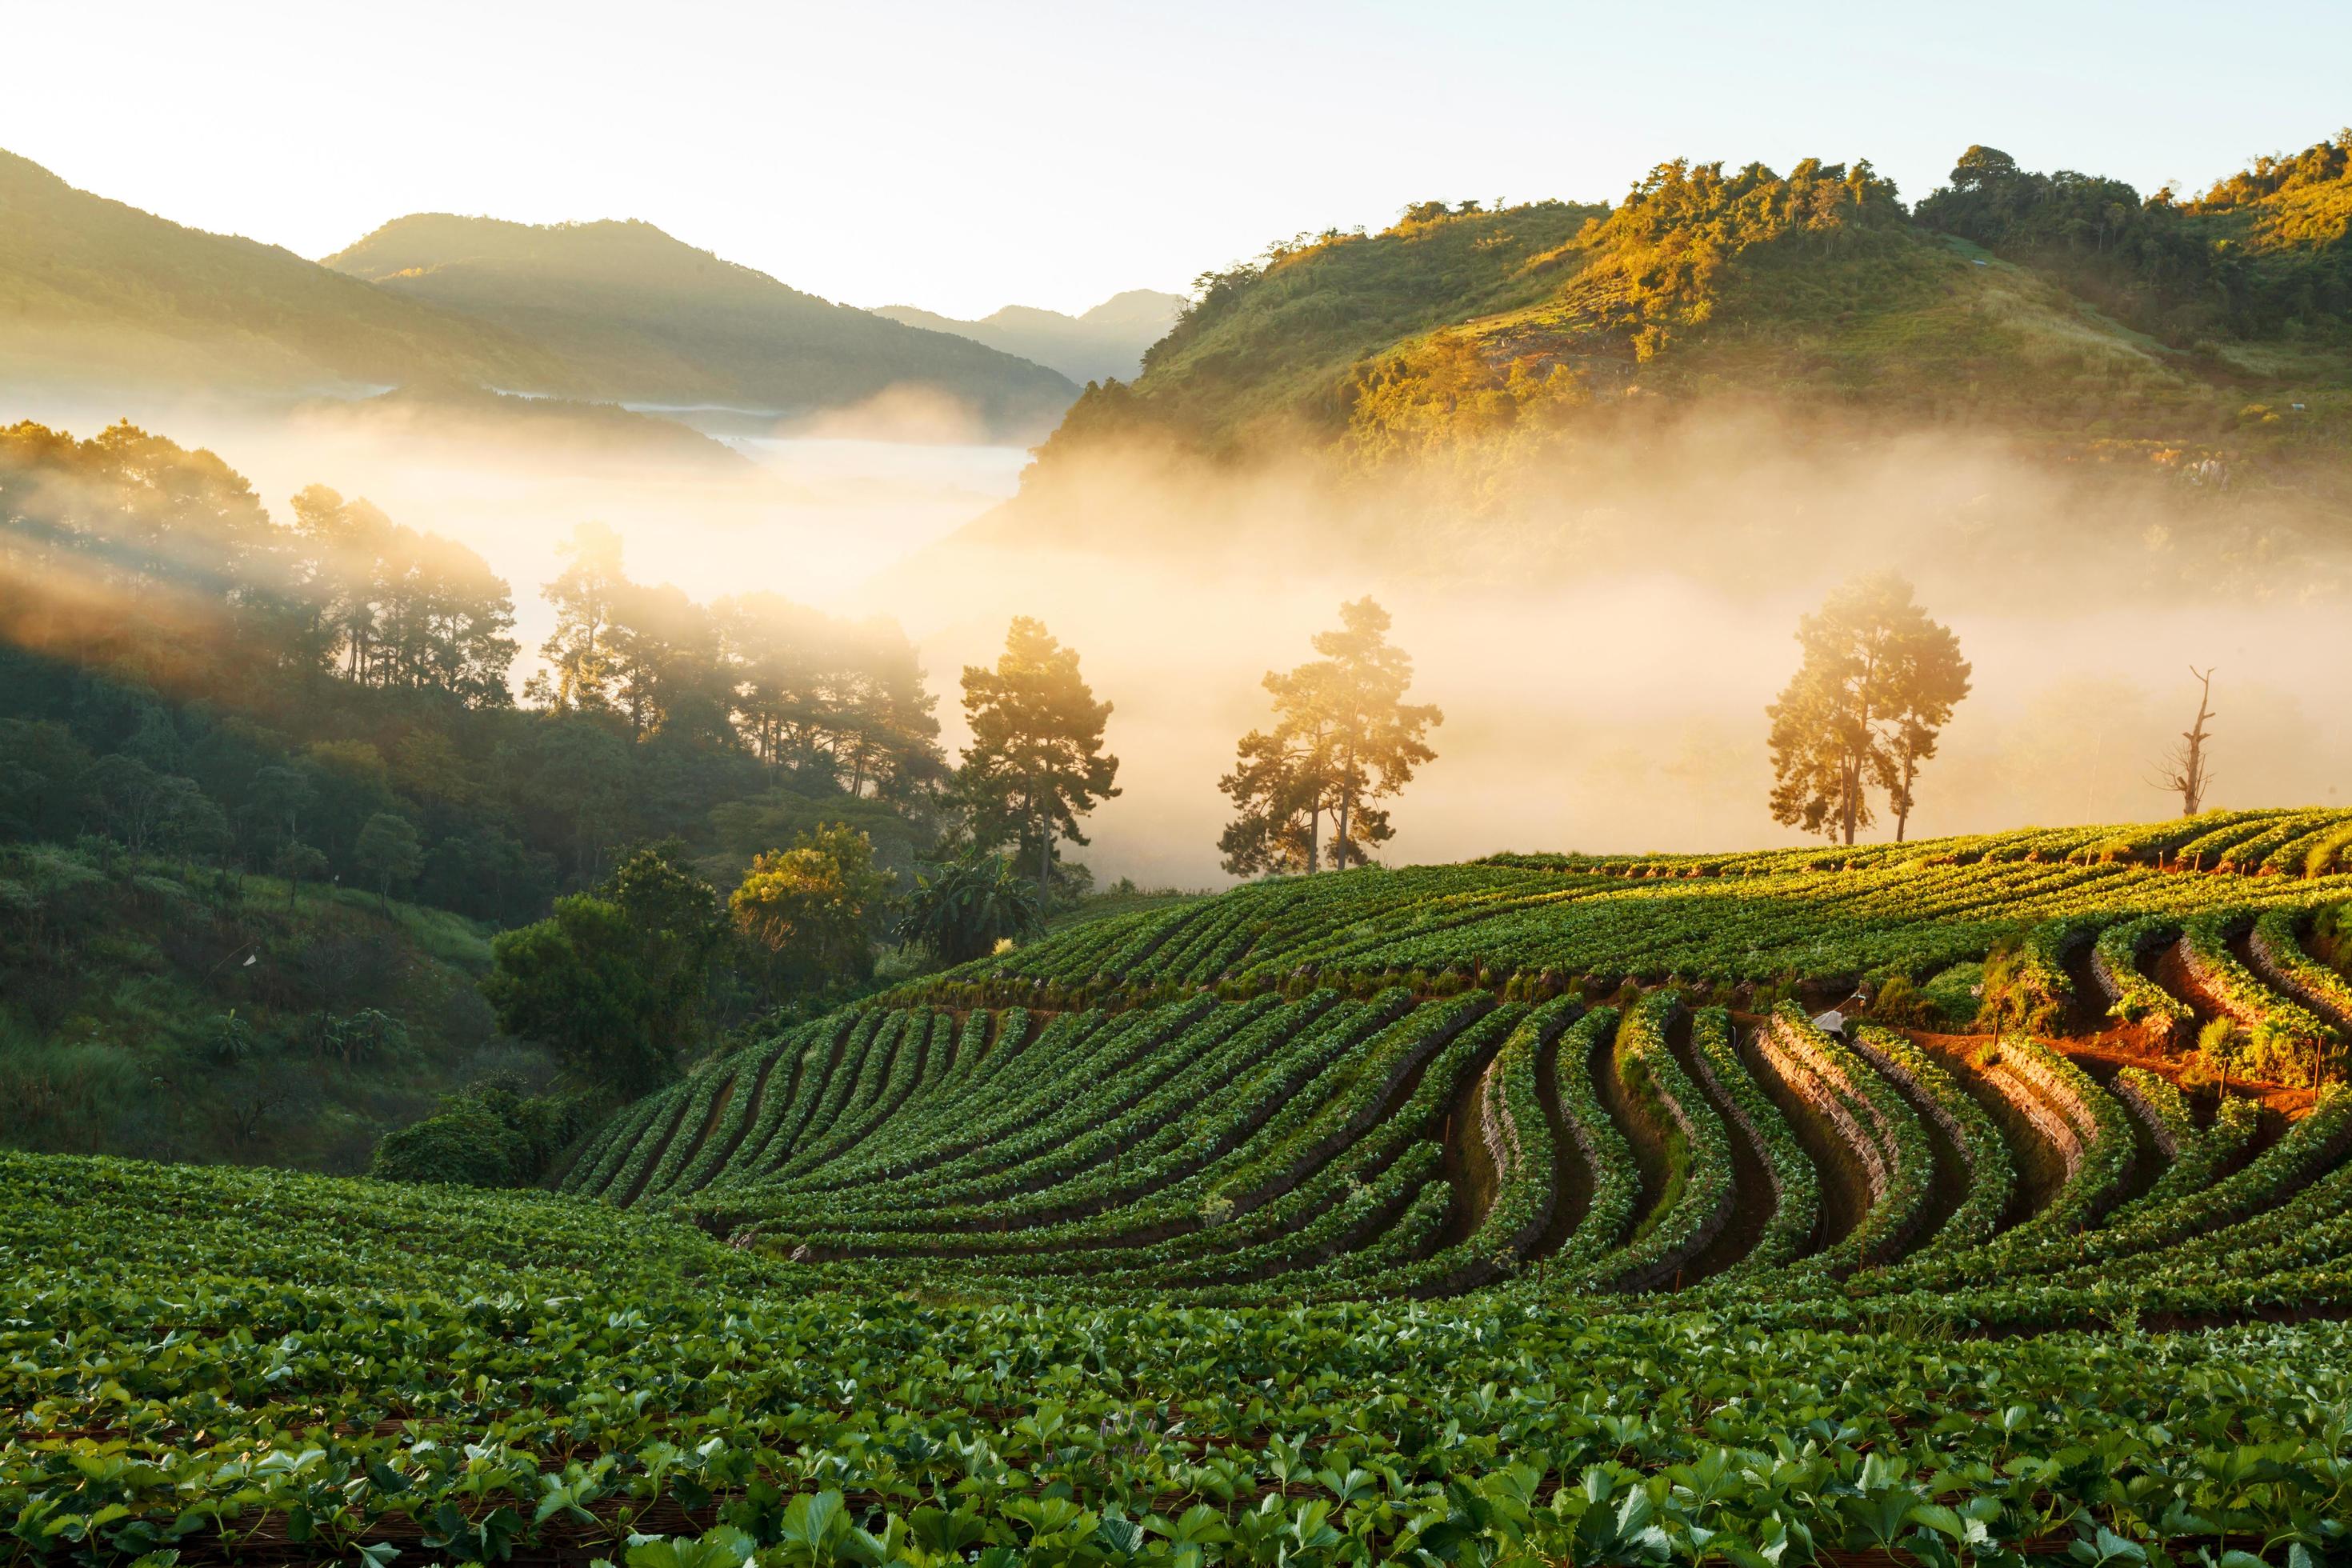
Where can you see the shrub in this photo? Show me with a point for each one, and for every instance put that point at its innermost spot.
(489, 1136)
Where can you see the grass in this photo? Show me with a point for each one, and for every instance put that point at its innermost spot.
(145, 1010)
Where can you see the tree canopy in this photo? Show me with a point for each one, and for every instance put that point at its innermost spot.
(613, 983)
(184, 673)
(1036, 762)
(1343, 738)
(1877, 684)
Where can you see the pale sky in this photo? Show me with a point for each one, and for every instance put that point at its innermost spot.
(963, 157)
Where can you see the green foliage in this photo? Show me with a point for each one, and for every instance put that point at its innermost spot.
(488, 1135)
(804, 912)
(198, 680)
(613, 984)
(2260, 252)
(966, 908)
(1036, 761)
(1160, 1247)
(150, 1009)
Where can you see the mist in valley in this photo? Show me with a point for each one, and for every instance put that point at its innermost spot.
(1604, 625)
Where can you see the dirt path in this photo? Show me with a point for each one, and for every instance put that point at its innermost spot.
(1571, 1180)
(1649, 1148)
(1470, 1166)
(1843, 1196)
(1753, 1197)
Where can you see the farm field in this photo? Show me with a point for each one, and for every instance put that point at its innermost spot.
(1528, 1211)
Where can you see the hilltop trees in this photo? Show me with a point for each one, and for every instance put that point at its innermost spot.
(1878, 683)
(1036, 761)
(1343, 738)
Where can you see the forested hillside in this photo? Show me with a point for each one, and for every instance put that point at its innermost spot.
(188, 674)
(157, 1005)
(2130, 351)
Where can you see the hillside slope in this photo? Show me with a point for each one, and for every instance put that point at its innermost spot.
(152, 1010)
(1544, 368)
(1561, 1073)
(1104, 342)
(1103, 1268)
(642, 317)
(93, 291)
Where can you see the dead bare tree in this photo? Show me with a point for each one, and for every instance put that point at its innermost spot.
(2185, 773)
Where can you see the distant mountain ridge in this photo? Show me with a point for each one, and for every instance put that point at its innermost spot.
(643, 316)
(94, 293)
(92, 288)
(1104, 343)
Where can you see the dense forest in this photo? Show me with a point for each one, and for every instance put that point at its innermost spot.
(185, 673)
(228, 739)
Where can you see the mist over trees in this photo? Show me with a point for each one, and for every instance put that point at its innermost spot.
(1343, 738)
(1878, 683)
(1036, 762)
(185, 674)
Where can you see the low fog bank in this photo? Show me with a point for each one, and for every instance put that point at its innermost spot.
(810, 514)
(1729, 493)
(1603, 625)
(1626, 711)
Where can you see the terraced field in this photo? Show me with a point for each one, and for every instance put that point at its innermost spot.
(1556, 1076)
(1512, 1214)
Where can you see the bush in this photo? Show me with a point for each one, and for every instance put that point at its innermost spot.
(490, 1136)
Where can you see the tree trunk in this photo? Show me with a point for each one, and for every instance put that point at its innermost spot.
(1902, 808)
(1343, 847)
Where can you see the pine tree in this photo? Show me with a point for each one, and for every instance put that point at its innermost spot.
(1343, 738)
(1035, 765)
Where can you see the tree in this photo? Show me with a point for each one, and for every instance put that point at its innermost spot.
(1878, 683)
(1343, 738)
(805, 908)
(298, 863)
(1277, 799)
(964, 908)
(387, 850)
(1035, 763)
(581, 663)
(2186, 772)
(613, 982)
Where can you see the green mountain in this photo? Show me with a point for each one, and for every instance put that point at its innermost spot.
(642, 317)
(1108, 341)
(97, 292)
(2063, 315)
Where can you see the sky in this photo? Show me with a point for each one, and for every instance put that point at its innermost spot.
(965, 156)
